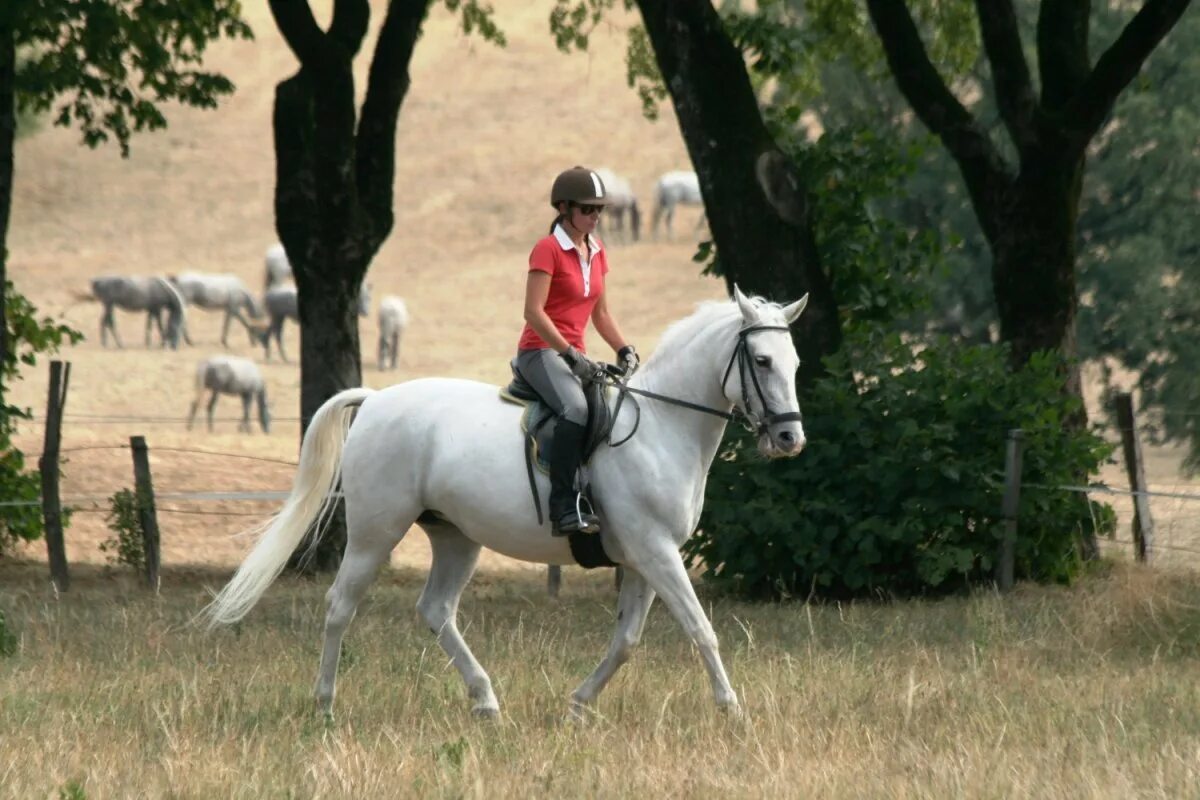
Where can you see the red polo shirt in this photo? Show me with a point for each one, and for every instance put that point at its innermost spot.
(574, 287)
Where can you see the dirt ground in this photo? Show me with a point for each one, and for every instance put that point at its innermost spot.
(481, 135)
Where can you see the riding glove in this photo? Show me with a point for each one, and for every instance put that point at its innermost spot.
(628, 360)
(581, 366)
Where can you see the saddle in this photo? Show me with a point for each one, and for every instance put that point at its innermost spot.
(538, 423)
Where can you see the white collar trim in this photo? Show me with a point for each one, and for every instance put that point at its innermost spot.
(564, 240)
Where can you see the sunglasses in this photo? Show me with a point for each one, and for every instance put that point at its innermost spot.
(588, 208)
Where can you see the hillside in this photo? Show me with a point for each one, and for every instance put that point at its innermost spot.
(482, 133)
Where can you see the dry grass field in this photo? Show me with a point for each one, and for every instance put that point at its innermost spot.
(1087, 692)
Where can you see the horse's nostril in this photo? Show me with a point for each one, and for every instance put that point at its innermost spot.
(787, 437)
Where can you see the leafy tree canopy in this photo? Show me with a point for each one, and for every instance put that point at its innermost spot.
(106, 65)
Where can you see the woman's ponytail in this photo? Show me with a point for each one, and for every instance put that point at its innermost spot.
(556, 222)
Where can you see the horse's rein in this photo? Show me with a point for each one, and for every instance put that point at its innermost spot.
(615, 376)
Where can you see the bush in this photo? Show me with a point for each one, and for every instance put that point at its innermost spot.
(899, 489)
(124, 519)
(28, 336)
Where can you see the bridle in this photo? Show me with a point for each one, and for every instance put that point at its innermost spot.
(755, 423)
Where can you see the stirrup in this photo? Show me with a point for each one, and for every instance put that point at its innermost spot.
(580, 521)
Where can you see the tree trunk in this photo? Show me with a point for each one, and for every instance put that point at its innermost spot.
(1033, 272)
(8, 129)
(725, 135)
(328, 263)
(333, 193)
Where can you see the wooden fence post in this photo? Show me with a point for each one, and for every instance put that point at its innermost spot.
(553, 580)
(144, 491)
(1005, 564)
(56, 550)
(1143, 524)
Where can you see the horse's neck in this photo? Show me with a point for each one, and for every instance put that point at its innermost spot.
(693, 376)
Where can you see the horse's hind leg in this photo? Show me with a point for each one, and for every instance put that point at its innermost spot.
(454, 560)
(633, 604)
(367, 548)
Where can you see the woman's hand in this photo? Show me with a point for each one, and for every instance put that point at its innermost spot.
(581, 366)
(628, 360)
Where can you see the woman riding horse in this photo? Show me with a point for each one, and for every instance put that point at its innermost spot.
(564, 287)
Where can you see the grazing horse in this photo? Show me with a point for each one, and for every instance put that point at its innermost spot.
(231, 375)
(672, 189)
(283, 303)
(447, 454)
(278, 268)
(136, 293)
(220, 293)
(621, 199)
(393, 320)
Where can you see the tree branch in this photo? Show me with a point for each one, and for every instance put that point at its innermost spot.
(349, 26)
(1120, 64)
(1062, 44)
(387, 84)
(295, 21)
(1010, 74)
(983, 168)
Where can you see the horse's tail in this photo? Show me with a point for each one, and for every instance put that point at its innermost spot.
(177, 319)
(308, 507)
(635, 218)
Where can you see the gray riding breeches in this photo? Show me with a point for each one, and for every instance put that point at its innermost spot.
(552, 379)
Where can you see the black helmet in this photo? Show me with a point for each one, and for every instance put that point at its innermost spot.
(579, 185)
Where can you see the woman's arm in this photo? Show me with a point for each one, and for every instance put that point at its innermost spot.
(606, 326)
(537, 289)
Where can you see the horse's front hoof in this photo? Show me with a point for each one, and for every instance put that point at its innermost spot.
(487, 713)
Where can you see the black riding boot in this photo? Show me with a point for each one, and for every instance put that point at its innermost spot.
(565, 514)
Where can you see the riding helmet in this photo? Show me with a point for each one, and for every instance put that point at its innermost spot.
(579, 185)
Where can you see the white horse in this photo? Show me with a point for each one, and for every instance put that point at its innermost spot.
(136, 293)
(220, 293)
(672, 189)
(231, 375)
(278, 268)
(621, 199)
(448, 454)
(393, 320)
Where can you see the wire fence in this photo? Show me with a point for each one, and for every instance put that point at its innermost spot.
(1176, 518)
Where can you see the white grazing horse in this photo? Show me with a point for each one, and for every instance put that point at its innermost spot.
(220, 293)
(448, 454)
(231, 375)
(621, 199)
(278, 268)
(393, 320)
(672, 189)
(137, 293)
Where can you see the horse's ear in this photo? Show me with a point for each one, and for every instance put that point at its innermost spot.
(749, 312)
(781, 185)
(792, 313)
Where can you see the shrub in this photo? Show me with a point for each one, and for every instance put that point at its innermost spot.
(899, 489)
(21, 487)
(128, 546)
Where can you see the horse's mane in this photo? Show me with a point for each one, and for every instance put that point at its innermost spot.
(707, 314)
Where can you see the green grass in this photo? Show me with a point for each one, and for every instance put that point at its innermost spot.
(1089, 691)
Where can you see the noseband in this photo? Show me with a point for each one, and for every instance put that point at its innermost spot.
(741, 355)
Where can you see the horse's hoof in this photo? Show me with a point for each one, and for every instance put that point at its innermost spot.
(581, 713)
(732, 710)
(485, 713)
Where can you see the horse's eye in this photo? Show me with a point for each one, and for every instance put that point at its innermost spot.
(762, 361)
